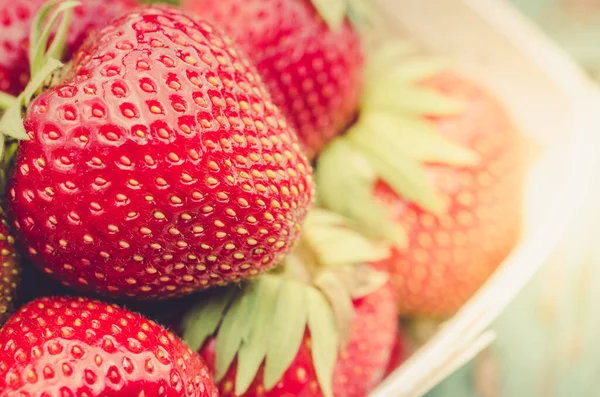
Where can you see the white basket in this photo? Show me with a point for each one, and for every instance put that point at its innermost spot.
(550, 99)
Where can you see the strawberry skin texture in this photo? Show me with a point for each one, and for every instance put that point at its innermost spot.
(10, 270)
(15, 22)
(399, 353)
(359, 368)
(450, 256)
(161, 166)
(80, 347)
(313, 73)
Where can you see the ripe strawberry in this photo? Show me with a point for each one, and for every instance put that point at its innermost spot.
(10, 271)
(399, 353)
(358, 368)
(313, 70)
(159, 166)
(15, 23)
(450, 255)
(81, 347)
(449, 170)
(262, 348)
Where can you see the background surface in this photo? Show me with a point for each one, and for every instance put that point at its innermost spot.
(549, 338)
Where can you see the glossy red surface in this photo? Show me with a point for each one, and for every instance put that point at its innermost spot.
(313, 73)
(77, 346)
(160, 167)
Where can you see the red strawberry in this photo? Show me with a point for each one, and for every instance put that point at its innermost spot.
(10, 271)
(279, 337)
(449, 167)
(160, 166)
(314, 71)
(399, 353)
(358, 369)
(81, 347)
(15, 22)
(450, 255)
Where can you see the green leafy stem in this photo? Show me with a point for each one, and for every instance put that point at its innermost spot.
(266, 321)
(391, 142)
(43, 61)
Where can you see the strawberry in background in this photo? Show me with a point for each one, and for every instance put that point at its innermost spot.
(16, 18)
(400, 352)
(308, 54)
(435, 165)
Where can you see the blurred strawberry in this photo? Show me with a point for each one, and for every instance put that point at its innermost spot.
(16, 19)
(10, 270)
(159, 166)
(447, 175)
(308, 54)
(450, 255)
(323, 327)
(399, 353)
(82, 347)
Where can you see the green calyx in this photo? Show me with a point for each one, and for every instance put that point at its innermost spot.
(54, 16)
(334, 12)
(335, 243)
(6, 100)
(265, 321)
(392, 141)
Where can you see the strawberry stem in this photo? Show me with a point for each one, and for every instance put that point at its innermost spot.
(392, 142)
(333, 12)
(39, 52)
(43, 65)
(6, 159)
(6, 100)
(57, 48)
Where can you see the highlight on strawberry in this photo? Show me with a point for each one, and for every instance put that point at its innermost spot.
(323, 325)
(155, 164)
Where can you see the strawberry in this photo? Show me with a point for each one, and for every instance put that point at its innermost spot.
(448, 175)
(335, 342)
(16, 19)
(451, 255)
(10, 271)
(358, 369)
(159, 166)
(82, 347)
(312, 68)
(399, 353)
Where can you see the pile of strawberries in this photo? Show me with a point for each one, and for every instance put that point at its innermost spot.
(251, 175)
